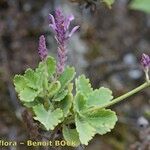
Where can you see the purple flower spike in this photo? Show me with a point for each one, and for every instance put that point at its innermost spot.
(60, 26)
(42, 50)
(62, 59)
(145, 61)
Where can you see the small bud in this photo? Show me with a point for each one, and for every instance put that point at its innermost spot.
(42, 50)
(145, 62)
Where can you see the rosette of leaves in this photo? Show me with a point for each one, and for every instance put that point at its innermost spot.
(51, 100)
(48, 96)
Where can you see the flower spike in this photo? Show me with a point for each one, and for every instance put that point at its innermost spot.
(60, 26)
(42, 50)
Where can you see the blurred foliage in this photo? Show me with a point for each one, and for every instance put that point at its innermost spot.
(143, 5)
(93, 2)
(109, 2)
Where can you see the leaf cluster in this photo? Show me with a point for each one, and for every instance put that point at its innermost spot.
(52, 102)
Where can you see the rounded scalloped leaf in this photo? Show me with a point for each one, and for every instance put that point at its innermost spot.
(66, 77)
(83, 85)
(103, 120)
(98, 121)
(51, 65)
(50, 119)
(48, 66)
(99, 97)
(85, 130)
(79, 102)
(60, 96)
(31, 78)
(19, 82)
(71, 136)
(53, 88)
(66, 104)
(28, 95)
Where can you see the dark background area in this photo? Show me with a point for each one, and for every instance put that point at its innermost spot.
(107, 49)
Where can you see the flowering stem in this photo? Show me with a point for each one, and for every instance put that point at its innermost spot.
(122, 97)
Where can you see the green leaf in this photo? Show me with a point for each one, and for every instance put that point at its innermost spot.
(92, 122)
(34, 82)
(79, 102)
(70, 87)
(143, 5)
(37, 101)
(19, 82)
(31, 78)
(83, 85)
(48, 66)
(66, 104)
(28, 95)
(103, 120)
(85, 130)
(71, 136)
(109, 2)
(41, 67)
(60, 96)
(66, 77)
(100, 97)
(41, 80)
(51, 65)
(30, 104)
(45, 70)
(25, 86)
(50, 119)
(53, 88)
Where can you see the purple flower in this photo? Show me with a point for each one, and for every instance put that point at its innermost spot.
(42, 50)
(60, 26)
(145, 61)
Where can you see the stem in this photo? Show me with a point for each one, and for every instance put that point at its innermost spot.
(121, 98)
(146, 74)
